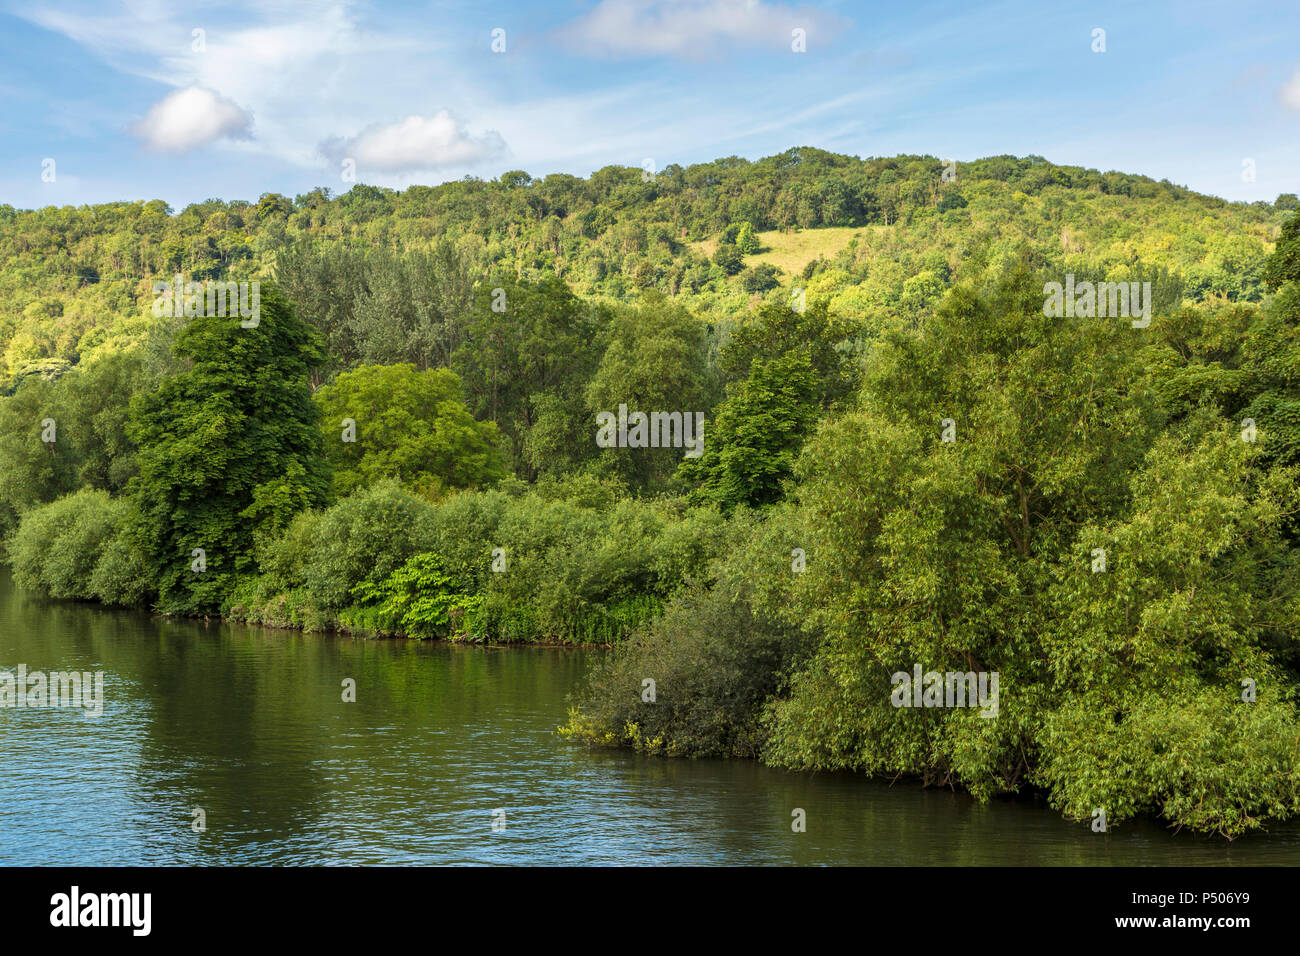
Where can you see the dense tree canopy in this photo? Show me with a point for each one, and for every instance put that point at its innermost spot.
(379, 421)
(77, 280)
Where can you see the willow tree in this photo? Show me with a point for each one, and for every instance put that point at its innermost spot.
(1005, 499)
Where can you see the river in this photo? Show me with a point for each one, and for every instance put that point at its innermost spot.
(448, 755)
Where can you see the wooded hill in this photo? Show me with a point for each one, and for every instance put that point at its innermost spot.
(78, 280)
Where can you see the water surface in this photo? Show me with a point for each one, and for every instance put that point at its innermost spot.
(249, 725)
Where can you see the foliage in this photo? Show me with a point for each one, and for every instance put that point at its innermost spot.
(419, 599)
(81, 547)
(385, 275)
(525, 340)
(88, 407)
(906, 461)
(241, 417)
(714, 657)
(365, 536)
(408, 425)
(655, 360)
(757, 434)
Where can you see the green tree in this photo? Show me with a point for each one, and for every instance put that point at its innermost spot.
(413, 307)
(32, 470)
(525, 340)
(1147, 712)
(324, 282)
(936, 510)
(209, 438)
(1283, 265)
(420, 599)
(655, 360)
(405, 424)
(777, 329)
(746, 241)
(1271, 355)
(760, 278)
(1002, 502)
(728, 258)
(757, 434)
(273, 206)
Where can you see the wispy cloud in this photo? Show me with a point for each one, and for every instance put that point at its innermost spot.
(414, 94)
(416, 143)
(692, 29)
(298, 66)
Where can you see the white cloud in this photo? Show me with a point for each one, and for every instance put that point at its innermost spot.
(333, 79)
(192, 117)
(687, 28)
(416, 143)
(1290, 92)
(304, 68)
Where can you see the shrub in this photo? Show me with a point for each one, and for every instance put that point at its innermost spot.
(416, 600)
(57, 545)
(366, 536)
(715, 656)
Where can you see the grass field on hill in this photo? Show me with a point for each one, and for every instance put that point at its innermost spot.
(791, 251)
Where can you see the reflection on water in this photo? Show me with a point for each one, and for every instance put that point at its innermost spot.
(250, 726)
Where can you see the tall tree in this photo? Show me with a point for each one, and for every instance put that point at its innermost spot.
(215, 439)
(654, 361)
(523, 341)
(1272, 354)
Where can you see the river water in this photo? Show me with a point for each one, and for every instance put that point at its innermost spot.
(448, 755)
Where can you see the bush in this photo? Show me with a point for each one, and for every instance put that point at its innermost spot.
(577, 563)
(81, 547)
(714, 662)
(121, 576)
(729, 259)
(366, 536)
(715, 657)
(760, 278)
(419, 599)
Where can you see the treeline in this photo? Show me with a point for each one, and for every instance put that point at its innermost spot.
(77, 281)
(302, 473)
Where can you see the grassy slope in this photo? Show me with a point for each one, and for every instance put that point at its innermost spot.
(791, 251)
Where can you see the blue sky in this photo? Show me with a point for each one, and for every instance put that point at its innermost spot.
(281, 95)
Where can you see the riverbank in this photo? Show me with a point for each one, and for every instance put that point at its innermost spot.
(288, 620)
(573, 562)
(249, 725)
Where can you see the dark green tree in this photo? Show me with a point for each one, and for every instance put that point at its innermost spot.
(213, 440)
(654, 361)
(757, 433)
(728, 258)
(525, 340)
(1271, 354)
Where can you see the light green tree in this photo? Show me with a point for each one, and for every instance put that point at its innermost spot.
(394, 421)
